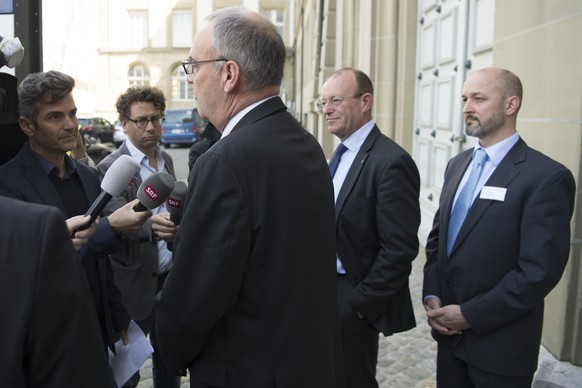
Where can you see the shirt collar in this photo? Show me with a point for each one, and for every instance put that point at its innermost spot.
(497, 151)
(354, 142)
(136, 153)
(48, 167)
(234, 121)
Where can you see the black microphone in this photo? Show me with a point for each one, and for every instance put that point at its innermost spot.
(120, 174)
(154, 191)
(175, 205)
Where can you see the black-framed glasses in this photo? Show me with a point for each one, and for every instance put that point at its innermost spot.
(334, 101)
(191, 66)
(142, 122)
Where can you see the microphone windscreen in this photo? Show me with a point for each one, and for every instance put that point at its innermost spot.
(154, 191)
(119, 175)
(175, 202)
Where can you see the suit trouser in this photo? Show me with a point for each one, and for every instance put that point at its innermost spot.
(453, 372)
(162, 378)
(359, 341)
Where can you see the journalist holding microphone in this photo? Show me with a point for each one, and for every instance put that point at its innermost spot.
(142, 266)
(42, 172)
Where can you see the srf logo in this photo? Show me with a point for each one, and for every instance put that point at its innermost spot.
(174, 202)
(151, 193)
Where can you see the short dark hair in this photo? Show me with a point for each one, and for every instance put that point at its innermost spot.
(363, 82)
(511, 84)
(49, 87)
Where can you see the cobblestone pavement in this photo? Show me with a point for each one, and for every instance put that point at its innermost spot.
(405, 360)
(408, 360)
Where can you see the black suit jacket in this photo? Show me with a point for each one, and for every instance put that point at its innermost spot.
(135, 267)
(23, 178)
(251, 298)
(377, 216)
(48, 330)
(507, 257)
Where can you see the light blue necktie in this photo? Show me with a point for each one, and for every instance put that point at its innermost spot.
(335, 159)
(465, 198)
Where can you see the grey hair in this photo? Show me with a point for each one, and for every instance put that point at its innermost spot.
(51, 87)
(252, 42)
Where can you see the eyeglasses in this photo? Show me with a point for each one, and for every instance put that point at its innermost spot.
(142, 122)
(334, 101)
(191, 66)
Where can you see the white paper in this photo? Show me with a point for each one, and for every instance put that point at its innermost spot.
(493, 193)
(129, 358)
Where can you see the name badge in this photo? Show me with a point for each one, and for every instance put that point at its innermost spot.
(493, 193)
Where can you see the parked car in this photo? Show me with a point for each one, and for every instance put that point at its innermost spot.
(96, 150)
(179, 127)
(98, 128)
(119, 135)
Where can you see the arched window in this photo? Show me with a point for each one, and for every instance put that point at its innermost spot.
(181, 89)
(138, 75)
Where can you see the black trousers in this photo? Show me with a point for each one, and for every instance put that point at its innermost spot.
(452, 372)
(161, 377)
(359, 342)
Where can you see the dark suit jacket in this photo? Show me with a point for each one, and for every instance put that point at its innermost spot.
(507, 257)
(49, 332)
(377, 216)
(136, 265)
(23, 178)
(251, 300)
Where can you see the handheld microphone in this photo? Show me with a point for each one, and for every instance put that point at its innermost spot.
(154, 191)
(175, 202)
(120, 174)
(175, 205)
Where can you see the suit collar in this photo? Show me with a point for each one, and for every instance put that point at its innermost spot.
(264, 109)
(41, 184)
(505, 172)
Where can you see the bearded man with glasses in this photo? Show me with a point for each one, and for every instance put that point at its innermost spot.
(142, 266)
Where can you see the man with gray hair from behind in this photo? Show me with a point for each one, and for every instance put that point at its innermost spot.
(251, 300)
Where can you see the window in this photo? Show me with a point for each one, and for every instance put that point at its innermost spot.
(276, 17)
(182, 29)
(138, 76)
(138, 30)
(181, 89)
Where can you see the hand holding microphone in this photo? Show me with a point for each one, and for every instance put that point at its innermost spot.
(175, 202)
(175, 205)
(119, 175)
(154, 191)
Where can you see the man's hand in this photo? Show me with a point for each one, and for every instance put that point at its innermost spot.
(79, 151)
(124, 336)
(125, 221)
(446, 320)
(80, 237)
(163, 227)
(432, 303)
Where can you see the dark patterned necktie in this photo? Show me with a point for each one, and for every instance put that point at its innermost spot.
(336, 158)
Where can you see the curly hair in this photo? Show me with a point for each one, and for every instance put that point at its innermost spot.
(139, 94)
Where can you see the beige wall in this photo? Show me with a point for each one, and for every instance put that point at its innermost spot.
(544, 47)
(540, 40)
(375, 36)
